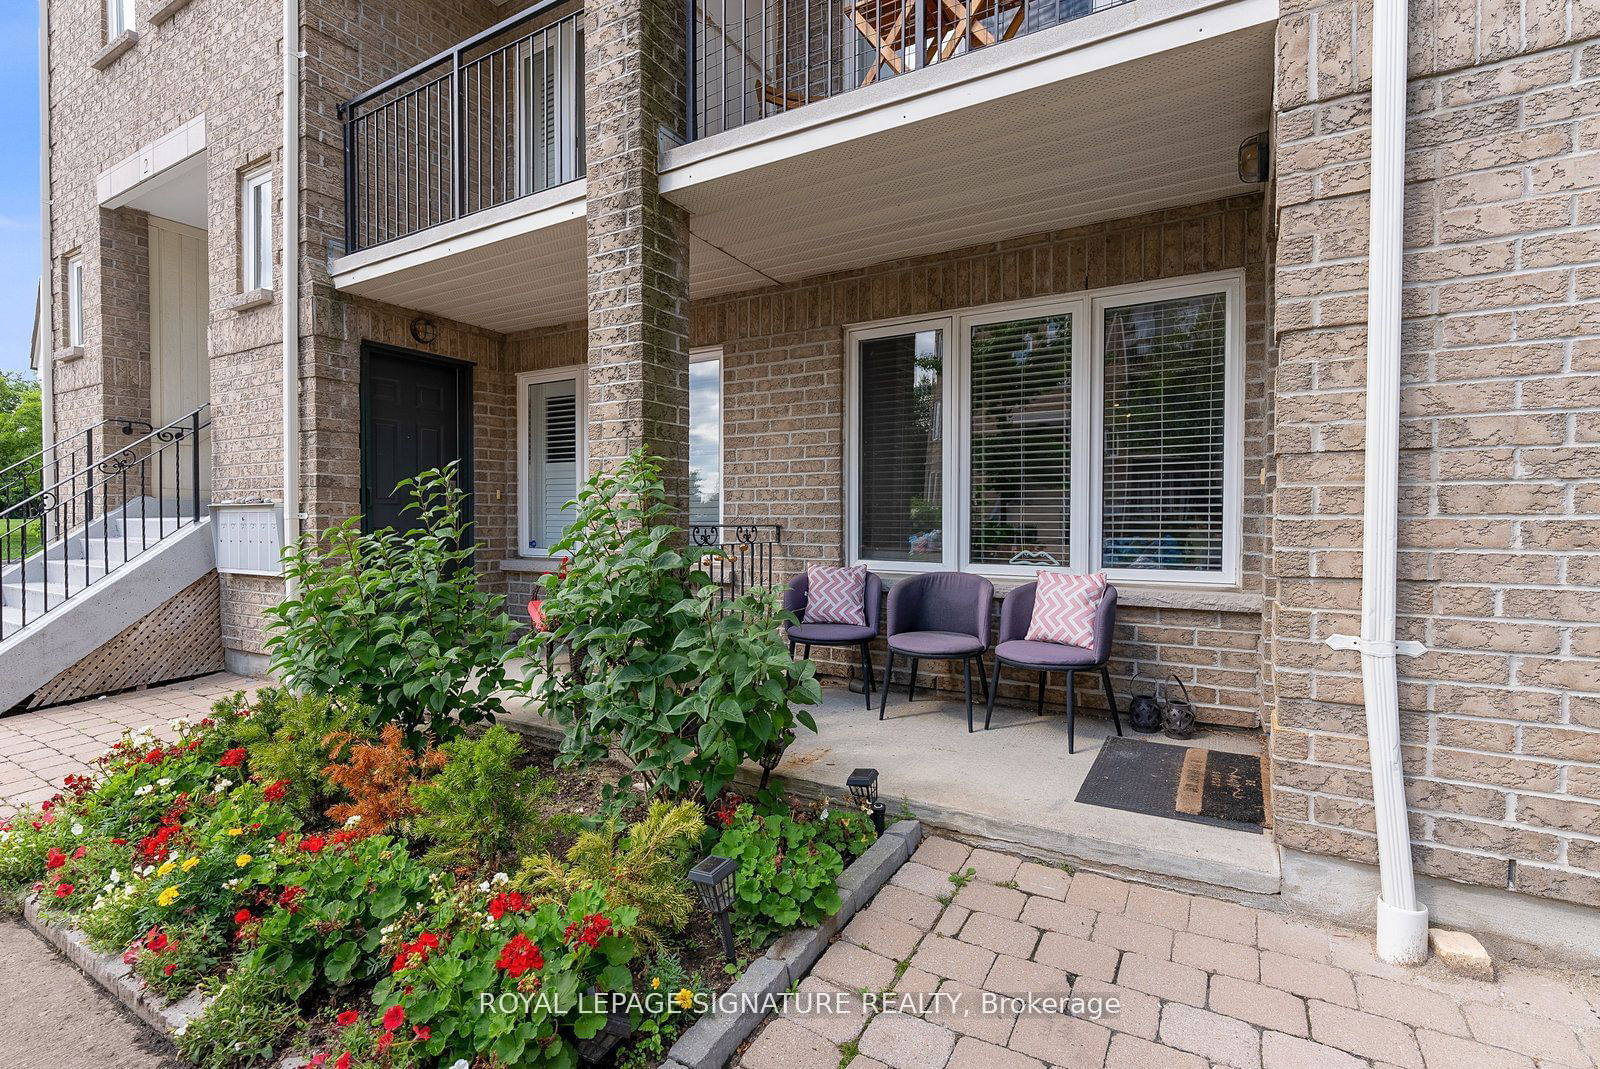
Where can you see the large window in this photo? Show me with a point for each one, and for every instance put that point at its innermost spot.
(705, 438)
(256, 226)
(552, 455)
(1100, 431)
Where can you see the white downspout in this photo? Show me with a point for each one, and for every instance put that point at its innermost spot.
(1402, 925)
(291, 277)
(47, 292)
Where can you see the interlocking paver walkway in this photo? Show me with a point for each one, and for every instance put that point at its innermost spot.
(1200, 982)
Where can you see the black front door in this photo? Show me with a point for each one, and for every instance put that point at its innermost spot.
(414, 416)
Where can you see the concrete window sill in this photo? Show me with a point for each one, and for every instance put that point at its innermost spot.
(114, 49)
(69, 353)
(164, 12)
(534, 565)
(244, 302)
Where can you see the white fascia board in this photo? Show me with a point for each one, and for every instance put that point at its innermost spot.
(1018, 66)
(151, 165)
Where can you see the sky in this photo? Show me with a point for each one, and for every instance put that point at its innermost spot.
(19, 180)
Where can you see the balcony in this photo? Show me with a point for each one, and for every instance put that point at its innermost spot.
(819, 136)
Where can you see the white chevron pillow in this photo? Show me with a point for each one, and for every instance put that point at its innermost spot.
(1064, 608)
(836, 595)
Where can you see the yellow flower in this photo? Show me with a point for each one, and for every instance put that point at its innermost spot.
(655, 983)
(167, 897)
(242, 860)
(235, 831)
(684, 998)
(189, 864)
(166, 868)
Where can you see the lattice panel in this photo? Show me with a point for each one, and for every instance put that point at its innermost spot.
(181, 638)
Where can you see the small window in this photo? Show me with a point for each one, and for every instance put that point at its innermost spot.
(705, 439)
(75, 300)
(552, 456)
(257, 230)
(119, 18)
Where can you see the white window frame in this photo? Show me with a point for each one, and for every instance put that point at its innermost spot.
(714, 352)
(120, 16)
(1088, 443)
(579, 374)
(255, 276)
(74, 273)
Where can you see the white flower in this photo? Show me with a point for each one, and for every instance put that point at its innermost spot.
(484, 886)
(222, 784)
(142, 791)
(178, 724)
(355, 818)
(460, 1063)
(116, 877)
(232, 883)
(77, 829)
(164, 781)
(501, 877)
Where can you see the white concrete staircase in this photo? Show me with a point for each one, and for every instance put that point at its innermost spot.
(79, 592)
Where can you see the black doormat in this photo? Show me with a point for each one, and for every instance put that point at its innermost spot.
(1181, 782)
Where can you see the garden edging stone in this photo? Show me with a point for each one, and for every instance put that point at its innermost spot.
(713, 1039)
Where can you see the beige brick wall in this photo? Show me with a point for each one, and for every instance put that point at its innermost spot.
(1500, 409)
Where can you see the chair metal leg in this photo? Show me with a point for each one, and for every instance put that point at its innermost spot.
(911, 687)
(983, 677)
(866, 674)
(1072, 709)
(791, 647)
(1039, 708)
(989, 713)
(966, 673)
(883, 695)
(808, 651)
(1111, 698)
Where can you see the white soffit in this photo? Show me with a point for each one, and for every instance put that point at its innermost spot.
(1156, 131)
(166, 178)
(510, 268)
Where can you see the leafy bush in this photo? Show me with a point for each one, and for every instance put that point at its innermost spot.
(249, 1018)
(788, 876)
(379, 777)
(396, 622)
(293, 738)
(847, 829)
(560, 951)
(688, 688)
(641, 869)
(482, 810)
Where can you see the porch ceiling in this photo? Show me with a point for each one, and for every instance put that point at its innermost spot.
(1153, 132)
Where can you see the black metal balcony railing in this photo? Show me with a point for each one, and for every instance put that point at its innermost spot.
(753, 58)
(497, 117)
(746, 554)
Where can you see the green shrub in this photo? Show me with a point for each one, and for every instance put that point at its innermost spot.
(687, 687)
(788, 876)
(395, 622)
(248, 1021)
(292, 739)
(482, 810)
(642, 869)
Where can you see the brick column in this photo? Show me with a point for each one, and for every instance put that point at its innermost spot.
(638, 244)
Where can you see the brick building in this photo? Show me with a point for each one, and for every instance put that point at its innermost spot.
(927, 291)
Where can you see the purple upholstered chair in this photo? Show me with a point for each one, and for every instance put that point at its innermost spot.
(808, 635)
(939, 616)
(1043, 657)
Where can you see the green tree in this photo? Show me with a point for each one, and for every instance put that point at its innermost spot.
(21, 417)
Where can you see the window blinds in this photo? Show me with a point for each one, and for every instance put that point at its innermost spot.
(901, 460)
(552, 460)
(1164, 398)
(1021, 442)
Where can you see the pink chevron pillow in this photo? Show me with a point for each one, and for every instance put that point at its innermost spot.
(836, 595)
(1064, 608)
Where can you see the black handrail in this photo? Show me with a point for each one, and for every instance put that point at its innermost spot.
(746, 554)
(37, 571)
(16, 474)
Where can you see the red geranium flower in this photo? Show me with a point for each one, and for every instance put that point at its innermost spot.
(290, 898)
(394, 1017)
(276, 790)
(423, 1032)
(243, 917)
(518, 956)
(348, 1018)
(156, 940)
(318, 1060)
(168, 970)
(343, 1062)
(507, 903)
(232, 758)
(63, 890)
(589, 931)
(54, 859)
(312, 844)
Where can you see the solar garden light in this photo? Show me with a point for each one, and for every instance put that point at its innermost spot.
(713, 878)
(863, 784)
(594, 1050)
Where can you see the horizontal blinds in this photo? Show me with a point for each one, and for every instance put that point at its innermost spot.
(552, 460)
(1021, 442)
(1165, 370)
(901, 460)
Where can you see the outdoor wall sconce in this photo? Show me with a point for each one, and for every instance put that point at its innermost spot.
(863, 784)
(713, 878)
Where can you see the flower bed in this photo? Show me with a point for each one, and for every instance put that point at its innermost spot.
(332, 892)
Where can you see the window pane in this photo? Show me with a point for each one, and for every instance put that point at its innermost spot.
(1021, 460)
(75, 302)
(901, 460)
(1165, 365)
(705, 442)
(259, 203)
(552, 460)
